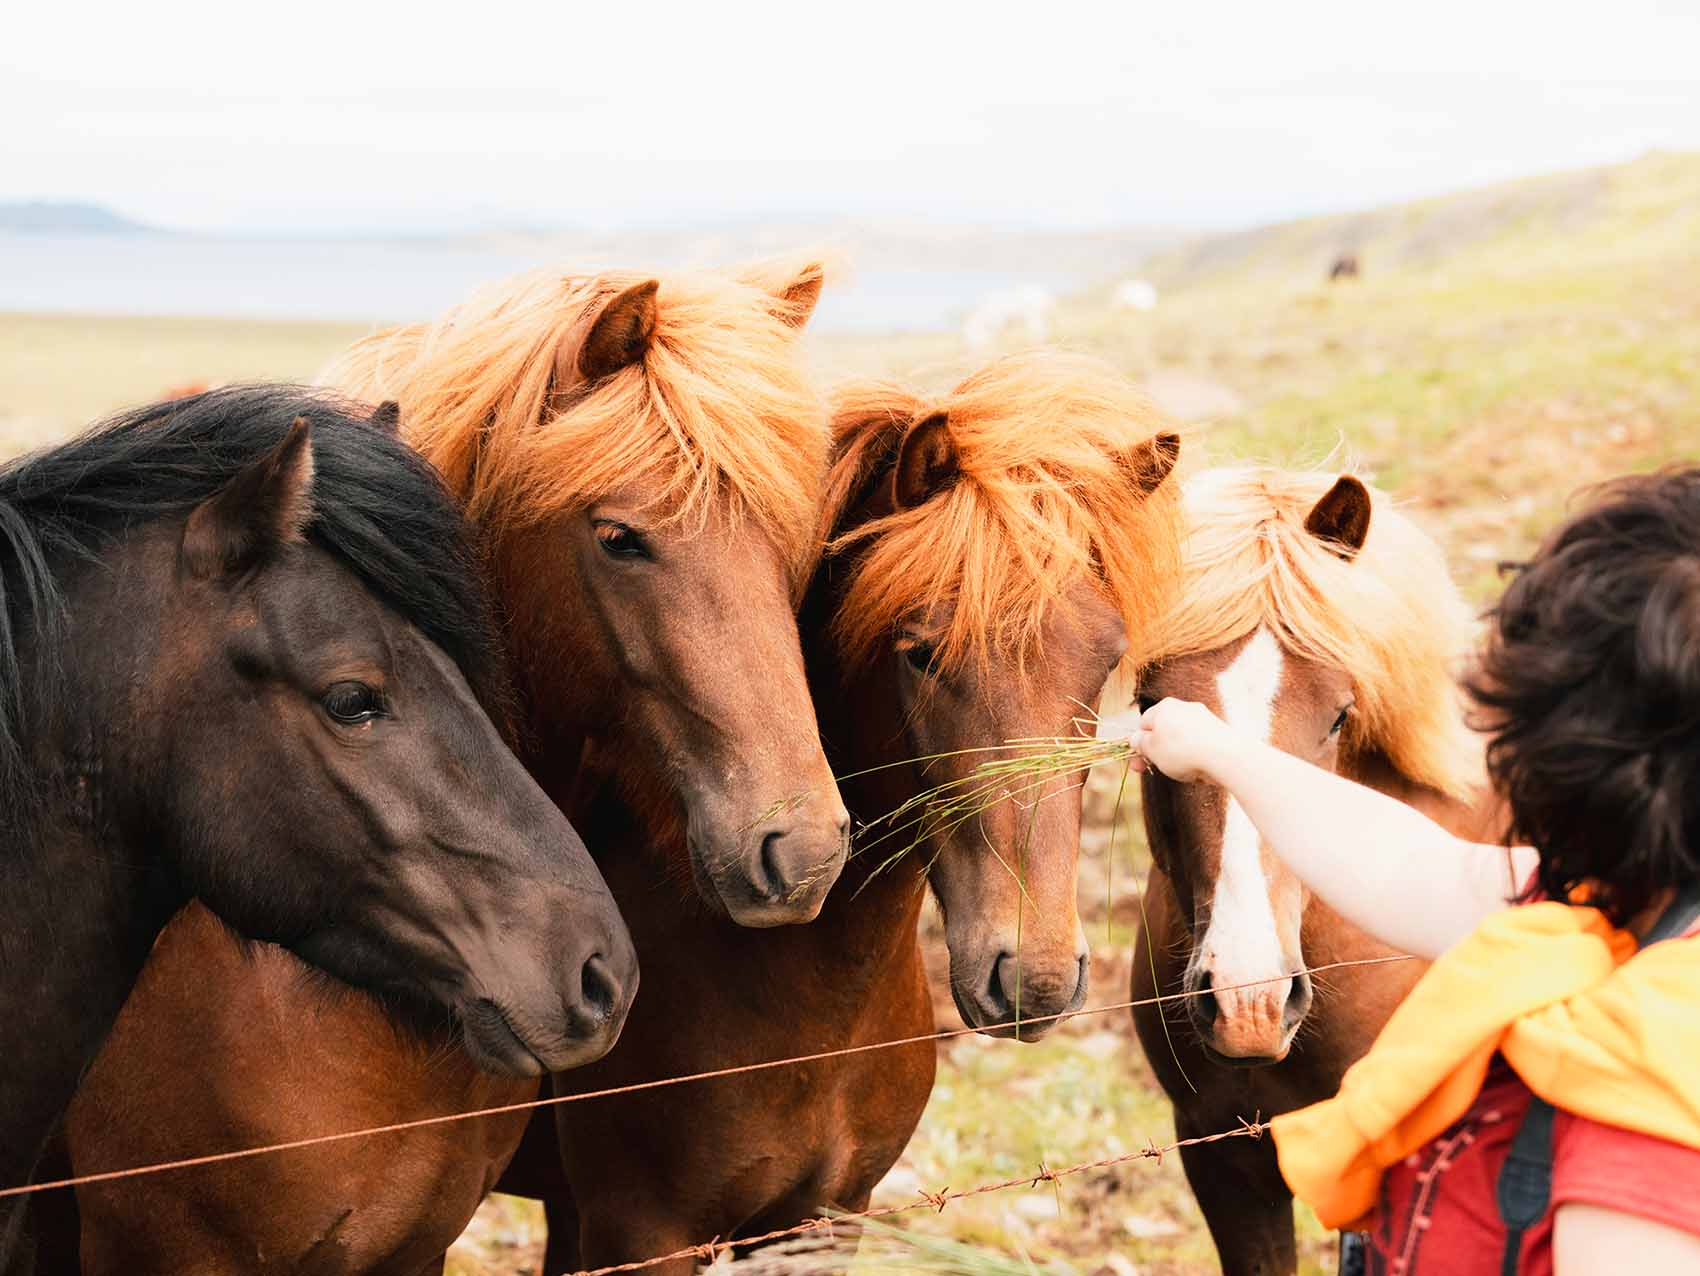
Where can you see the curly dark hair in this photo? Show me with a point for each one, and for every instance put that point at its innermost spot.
(1590, 689)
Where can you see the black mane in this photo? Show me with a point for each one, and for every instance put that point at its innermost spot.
(378, 507)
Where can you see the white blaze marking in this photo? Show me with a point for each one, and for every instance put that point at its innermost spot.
(1241, 942)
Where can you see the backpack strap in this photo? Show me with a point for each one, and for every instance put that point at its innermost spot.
(1678, 916)
(1525, 1180)
(1354, 1254)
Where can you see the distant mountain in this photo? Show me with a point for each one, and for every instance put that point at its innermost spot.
(66, 218)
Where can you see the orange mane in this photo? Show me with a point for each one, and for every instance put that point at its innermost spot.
(719, 413)
(1054, 461)
(1391, 618)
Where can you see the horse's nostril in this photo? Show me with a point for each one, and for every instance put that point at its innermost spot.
(1298, 1002)
(797, 864)
(1204, 1004)
(772, 883)
(996, 996)
(598, 989)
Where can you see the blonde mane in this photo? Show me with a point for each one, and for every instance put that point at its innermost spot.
(1391, 618)
(718, 413)
(1053, 453)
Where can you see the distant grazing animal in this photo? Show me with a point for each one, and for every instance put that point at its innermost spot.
(1315, 616)
(247, 659)
(990, 555)
(1029, 308)
(643, 459)
(1134, 294)
(1345, 267)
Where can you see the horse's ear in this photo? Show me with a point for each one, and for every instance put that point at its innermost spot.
(618, 336)
(798, 296)
(387, 417)
(926, 462)
(1341, 518)
(267, 505)
(1150, 463)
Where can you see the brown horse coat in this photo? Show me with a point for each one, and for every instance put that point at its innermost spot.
(978, 646)
(578, 572)
(1313, 616)
(247, 656)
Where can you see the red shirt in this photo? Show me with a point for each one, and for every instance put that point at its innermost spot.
(1439, 1215)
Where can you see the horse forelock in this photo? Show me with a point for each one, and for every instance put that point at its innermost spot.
(718, 417)
(1391, 617)
(1049, 489)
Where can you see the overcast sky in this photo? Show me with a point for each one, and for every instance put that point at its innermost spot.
(310, 116)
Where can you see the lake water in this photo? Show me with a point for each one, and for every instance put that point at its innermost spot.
(376, 280)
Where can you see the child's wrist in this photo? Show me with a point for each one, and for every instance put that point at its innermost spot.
(1224, 763)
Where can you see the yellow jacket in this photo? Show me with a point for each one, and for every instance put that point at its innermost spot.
(1591, 1025)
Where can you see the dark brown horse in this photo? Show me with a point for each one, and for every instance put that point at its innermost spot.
(990, 556)
(1316, 617)
(244, 650)
(644, 462)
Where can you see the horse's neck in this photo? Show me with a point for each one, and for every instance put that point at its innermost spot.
(83, 900)
(81, 911)
(559, 755)
(618, 808)
(879, 903)
(879, 908)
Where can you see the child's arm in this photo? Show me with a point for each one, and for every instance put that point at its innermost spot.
(1383, 866)
(1593, 1238)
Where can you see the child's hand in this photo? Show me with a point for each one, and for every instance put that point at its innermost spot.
(1180, 738)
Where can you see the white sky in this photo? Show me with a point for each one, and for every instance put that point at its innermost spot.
(314, 116)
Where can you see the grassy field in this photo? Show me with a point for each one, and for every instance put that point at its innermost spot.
(1502, 349)
(58, 372)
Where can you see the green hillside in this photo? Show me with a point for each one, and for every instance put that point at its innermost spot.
(1623, 212)
(1501, 348)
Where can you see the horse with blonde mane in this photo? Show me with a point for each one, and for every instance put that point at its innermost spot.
(1316, 616)
(990, 555)
(642, 460)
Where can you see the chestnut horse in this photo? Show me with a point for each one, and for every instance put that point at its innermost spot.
(1315, 616)
(990, 555)
(244, 652)
(643, 460)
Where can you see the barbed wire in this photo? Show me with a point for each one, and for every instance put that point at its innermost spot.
(708, 1251)
(636, 1087)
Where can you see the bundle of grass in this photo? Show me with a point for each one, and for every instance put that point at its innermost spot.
(1014, 770)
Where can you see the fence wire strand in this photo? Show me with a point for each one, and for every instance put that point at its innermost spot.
(215, 1158)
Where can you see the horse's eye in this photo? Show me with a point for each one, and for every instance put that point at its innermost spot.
(920, 656)
(620, 541)
(1340, 721)
(352, 703)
